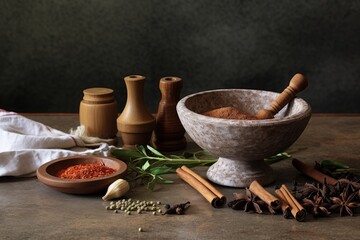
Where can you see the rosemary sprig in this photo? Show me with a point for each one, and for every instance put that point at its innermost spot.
(149, 165)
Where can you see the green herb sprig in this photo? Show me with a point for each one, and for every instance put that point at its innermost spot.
(337, 168)
(149, 165)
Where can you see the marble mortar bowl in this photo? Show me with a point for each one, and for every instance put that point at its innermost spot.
(242, 145)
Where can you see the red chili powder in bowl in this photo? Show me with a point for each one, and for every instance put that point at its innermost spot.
(85, 171)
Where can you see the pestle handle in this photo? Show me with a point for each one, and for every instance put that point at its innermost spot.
(297, 84)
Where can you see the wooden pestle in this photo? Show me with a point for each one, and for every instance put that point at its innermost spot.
(297, 84)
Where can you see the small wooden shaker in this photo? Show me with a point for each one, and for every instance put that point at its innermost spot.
(169, 132)
(98, 113)
(135, 123)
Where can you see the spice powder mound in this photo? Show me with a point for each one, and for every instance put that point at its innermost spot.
(85, 171)
(229, 113)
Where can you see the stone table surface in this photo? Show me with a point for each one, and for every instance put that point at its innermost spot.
(31, 210)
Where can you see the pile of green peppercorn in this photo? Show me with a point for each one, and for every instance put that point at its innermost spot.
(129, 205)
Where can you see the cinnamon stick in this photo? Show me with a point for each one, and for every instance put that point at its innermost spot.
(264, 195)
(208, 191)
(312, 172)
(285, 208)
(297, 210)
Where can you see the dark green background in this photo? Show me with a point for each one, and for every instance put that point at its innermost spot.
(50, 50)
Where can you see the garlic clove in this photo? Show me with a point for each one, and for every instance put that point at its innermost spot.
(117, 189)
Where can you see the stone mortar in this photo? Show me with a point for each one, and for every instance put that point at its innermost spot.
(242, 145)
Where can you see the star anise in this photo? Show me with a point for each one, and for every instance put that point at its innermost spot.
(246, 202)
(310, 190)
(253, 202)
(314, 190)
(239, 202)
(354, 184)
(317, 206)
(345, 201)
(326, 191)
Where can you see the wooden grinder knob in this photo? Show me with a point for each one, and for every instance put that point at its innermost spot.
(297, 84)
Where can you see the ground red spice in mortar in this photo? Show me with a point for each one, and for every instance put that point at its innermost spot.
(85, 171)
(229, 113)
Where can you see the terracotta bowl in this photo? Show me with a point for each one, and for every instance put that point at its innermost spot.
(47, 174)
(242, 145)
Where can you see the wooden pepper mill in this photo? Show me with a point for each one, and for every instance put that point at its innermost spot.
(169, 132)
(135, 123)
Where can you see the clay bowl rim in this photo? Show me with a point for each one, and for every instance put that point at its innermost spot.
(93, 185)
(304, 113)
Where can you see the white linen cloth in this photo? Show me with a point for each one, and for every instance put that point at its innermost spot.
(26, 144)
